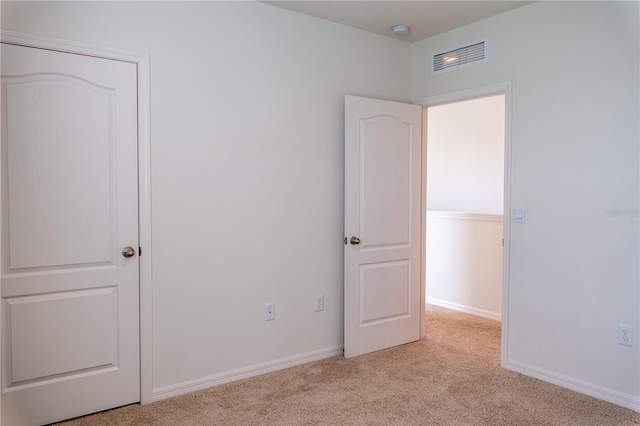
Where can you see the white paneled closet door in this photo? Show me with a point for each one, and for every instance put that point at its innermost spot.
(70, 266)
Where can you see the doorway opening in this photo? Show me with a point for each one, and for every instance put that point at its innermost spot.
(466, 207)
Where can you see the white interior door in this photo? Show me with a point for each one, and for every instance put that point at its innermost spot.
(382, 224)
(70, 326)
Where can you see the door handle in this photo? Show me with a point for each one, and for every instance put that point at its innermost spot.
(355, 241)
(128, 252)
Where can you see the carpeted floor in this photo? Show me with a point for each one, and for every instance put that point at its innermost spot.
(453, 377)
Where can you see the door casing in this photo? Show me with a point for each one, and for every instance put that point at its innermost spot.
(144, 179)
(465, 95)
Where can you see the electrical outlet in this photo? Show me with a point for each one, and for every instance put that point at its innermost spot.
(625, 335)
(319, 303)
(269, 311)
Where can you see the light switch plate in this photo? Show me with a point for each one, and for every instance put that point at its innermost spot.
(518, 215)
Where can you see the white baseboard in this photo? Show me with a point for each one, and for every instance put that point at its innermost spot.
(609, 395)
(466, 309)
(243, 373)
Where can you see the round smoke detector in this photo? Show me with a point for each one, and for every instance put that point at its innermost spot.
(400, 30)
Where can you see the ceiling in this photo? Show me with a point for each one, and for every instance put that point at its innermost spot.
(424, 17)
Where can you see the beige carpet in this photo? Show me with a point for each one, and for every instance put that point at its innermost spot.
(453, 377)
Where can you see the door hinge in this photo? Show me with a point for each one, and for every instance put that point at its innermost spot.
(503, 242)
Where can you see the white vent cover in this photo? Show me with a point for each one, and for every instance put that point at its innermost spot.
(460, 57)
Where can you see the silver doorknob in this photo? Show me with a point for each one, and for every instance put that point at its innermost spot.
(128, 252)
(355, 241)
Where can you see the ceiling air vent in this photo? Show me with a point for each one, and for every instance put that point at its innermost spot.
(460, 57)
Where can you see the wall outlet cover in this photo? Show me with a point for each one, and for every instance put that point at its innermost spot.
(625, 335)
(269, 311)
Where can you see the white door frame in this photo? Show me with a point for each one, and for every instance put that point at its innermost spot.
(144, 179)
(464, 95)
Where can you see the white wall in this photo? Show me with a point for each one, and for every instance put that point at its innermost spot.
(247, 168)
(465, 156)
(464, 262)
(574, 268)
